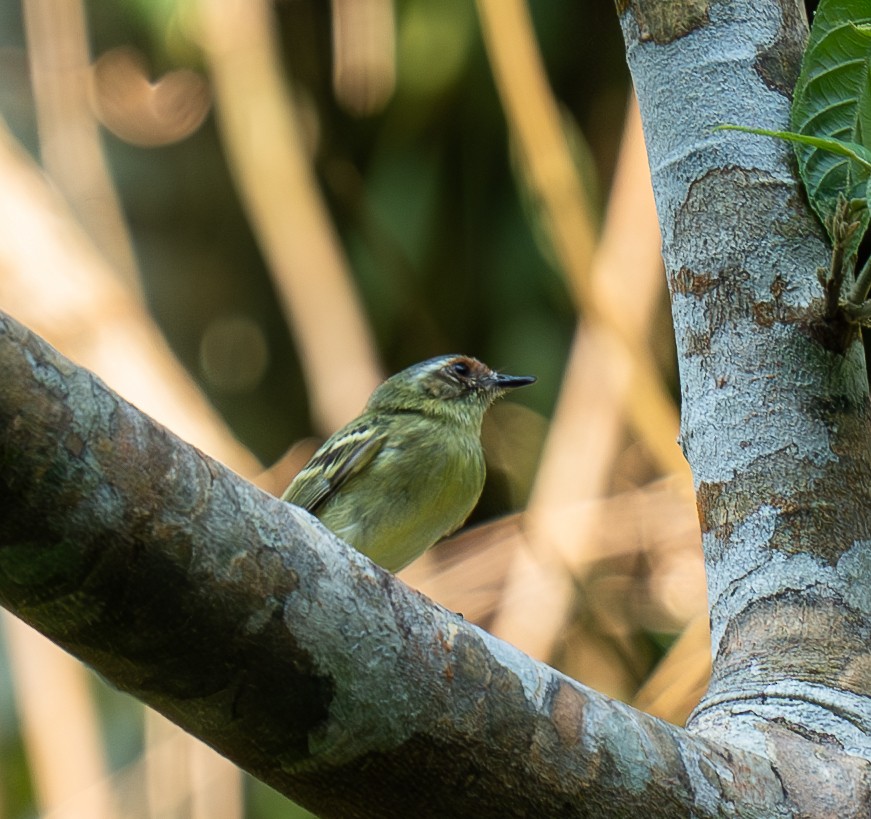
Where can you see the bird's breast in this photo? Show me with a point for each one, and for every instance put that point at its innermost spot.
(417, 491)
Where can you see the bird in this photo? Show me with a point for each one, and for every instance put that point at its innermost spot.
(410, 468)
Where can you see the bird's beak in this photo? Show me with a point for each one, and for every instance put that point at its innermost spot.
(510, 382)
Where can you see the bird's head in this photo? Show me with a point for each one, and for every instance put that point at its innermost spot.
(450, 386)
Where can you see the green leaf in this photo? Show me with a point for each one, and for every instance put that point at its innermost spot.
(832, 107)
(863, 131)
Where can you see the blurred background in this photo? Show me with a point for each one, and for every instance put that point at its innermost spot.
(244, 214)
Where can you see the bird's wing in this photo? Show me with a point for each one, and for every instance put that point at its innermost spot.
(337, 461)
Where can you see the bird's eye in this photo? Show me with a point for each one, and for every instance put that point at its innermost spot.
(461, 369)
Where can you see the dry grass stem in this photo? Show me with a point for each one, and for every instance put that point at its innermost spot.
(60, 726)
(69, 136)
(265, 146)
(364, 54)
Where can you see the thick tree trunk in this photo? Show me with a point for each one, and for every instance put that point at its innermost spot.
(775, 414)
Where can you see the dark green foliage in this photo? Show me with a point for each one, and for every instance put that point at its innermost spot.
(832, 102)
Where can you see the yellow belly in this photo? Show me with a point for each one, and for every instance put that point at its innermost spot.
(424, 493)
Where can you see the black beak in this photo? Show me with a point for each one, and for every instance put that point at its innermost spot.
(510, 382)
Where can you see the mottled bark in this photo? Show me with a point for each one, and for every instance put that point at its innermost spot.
(775, 408)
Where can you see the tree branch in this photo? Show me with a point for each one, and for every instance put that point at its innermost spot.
(243, 620)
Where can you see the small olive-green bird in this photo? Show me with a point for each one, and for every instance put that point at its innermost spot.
(410, 469)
